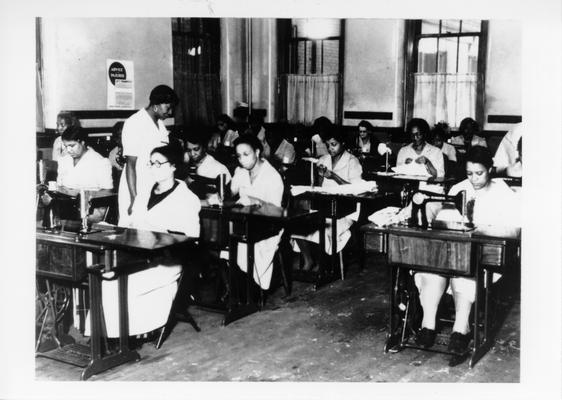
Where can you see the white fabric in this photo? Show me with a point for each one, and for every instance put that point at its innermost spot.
(476, 141)
(348, 168)
(365, 147)
(319, 147)
(429, 151)
(211, 168)
(140, 136)
(311, 96)
(91, 172)
(507, 153)
(285, 152)
(444, 97)
(449, 151)
(58, 149)
(266, 149)
(151, 291)
(267, 187)
(229, 138)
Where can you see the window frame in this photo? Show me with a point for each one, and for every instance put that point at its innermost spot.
(413, 36)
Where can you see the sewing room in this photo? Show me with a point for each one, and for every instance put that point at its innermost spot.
(317, 200)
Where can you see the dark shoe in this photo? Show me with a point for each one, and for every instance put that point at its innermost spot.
(458, 343)
(426, 338)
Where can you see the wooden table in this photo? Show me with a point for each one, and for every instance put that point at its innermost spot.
(476, 253)
(251, 224)
(335, 206)
(64, 256)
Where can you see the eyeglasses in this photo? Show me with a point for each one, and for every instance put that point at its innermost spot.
(156, 164)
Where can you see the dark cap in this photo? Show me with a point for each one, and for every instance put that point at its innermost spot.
(163, 94)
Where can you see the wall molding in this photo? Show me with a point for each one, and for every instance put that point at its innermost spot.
(504, 119)
(387, 116)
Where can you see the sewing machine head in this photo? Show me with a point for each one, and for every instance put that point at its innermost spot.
(418, 216)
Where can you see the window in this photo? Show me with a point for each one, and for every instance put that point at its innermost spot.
(445, 65)
(310, 83)
(196, 58)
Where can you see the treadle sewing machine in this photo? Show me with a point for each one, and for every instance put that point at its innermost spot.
(457, 249)
(75, 254)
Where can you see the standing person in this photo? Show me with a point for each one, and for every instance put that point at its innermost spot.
(65, 120)
(256, 182)
(421, 152)
(494, 203)
(142, 132)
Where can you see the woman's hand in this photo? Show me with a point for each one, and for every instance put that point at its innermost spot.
(324, 171)
(422, 160)
(408, 161)
(248, 201)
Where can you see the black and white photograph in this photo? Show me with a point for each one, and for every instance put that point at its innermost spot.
(258, 201)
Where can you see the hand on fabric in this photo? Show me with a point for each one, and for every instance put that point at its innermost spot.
(408, 161)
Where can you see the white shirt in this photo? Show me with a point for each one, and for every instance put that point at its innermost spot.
(496, 204)
(429, 151)
(209, 167)
(507, 153)
(92, 171)
(348, 168)
(266, 148)
(449, 151)
(476, 141)
(58, 149)
(320, 149)
(139, 137)
(267, 185)
(179, 211)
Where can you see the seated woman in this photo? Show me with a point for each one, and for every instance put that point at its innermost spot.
(319, 129)
(366, 141)
(420, 152)
(226, 134)
(65, 120)
(468, 135)
(493, 203)
(256, 182)
(336, 168)
(151, 291)
(82, 168)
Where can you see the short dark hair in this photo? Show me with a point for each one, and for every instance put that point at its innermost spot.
(163, 94)
(365, 124)
(469, 123)
(75, 133)
(438, 131)
(197, 138)
(334, 132)
(250, 140)
(227, 120)
(480, 155)
(69, 117)
(419, 123)
(255, 119)
(172, 151)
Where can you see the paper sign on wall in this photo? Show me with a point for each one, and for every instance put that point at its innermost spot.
(120, 85)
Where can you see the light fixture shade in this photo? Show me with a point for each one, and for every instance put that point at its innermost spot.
(317, 28)
(383, 149)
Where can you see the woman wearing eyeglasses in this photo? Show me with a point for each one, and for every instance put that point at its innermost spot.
(171, 207)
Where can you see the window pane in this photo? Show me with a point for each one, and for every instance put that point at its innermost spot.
(468, 55)
(427, 50)
(317, 28)
(447, 55)
(471, 25)
(450, 26)
(331, 57)
(429, 26)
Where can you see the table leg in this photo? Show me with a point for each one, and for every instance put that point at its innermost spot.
(393, 341)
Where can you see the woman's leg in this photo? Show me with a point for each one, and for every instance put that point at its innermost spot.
(307, 251)
(464, 291)
(431, 288)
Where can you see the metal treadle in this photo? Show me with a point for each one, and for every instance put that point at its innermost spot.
(75, 354)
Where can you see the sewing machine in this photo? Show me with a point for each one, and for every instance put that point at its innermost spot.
(418, 217)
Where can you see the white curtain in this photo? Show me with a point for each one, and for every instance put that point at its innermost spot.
(311, 96)
(445, 97)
